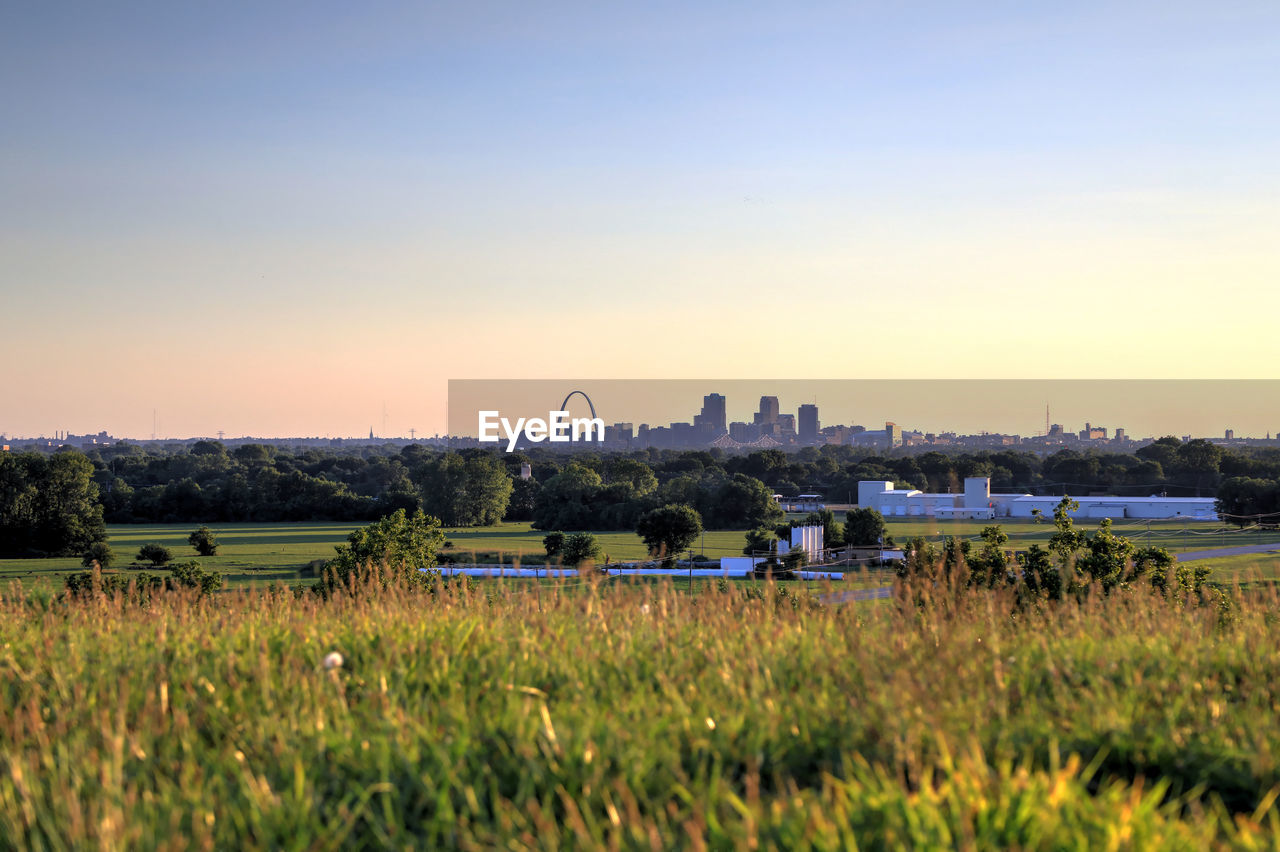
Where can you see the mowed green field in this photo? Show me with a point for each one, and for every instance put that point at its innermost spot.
(1175, 535)
(251, 554)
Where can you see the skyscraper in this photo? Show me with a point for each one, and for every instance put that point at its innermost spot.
(768, 412)
(807, 430)
(713, 414)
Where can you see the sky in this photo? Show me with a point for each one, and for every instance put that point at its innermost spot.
(305, 218)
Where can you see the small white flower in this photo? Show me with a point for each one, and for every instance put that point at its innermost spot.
(333, 660)
(644, 609)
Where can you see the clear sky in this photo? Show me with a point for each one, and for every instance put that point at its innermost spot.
(275, 218)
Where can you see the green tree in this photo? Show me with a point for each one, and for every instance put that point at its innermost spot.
(156, 554)
(1198, 464)
(669, 530)
(1066, 540)
(49, 506)
(1241, 497)
(638, 475)
(1107, 557)
(863, 527)
(760, 541)
(1040, 575)
(553, 544)
(832, 530)
(204, 541)
(581, 548)
(744, 501)
(397, 546)
(471, 489)
(990, 566)
(567, 500)
(99, 553)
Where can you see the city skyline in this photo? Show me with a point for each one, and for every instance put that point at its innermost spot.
(1248, 408)
(1142, 408)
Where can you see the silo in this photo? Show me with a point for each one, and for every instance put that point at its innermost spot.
(977, 492)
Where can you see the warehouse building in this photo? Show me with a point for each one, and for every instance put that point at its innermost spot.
(977, 502)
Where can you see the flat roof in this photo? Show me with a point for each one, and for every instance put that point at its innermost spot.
(1083, 500)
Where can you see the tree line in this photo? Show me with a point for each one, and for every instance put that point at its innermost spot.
(58, 503)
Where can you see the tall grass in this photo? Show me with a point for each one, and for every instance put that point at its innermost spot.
(601, 715)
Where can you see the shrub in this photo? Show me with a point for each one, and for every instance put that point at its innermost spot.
(395, 547)
(189, 575)
(553, 544)
(156, 554)
(99, 552)
(581, 547)
(87, 584)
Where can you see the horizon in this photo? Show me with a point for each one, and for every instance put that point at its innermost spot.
(1248, 408)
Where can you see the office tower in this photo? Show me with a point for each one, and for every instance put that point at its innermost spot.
(768, 412)
(808, 427)
(713, 414)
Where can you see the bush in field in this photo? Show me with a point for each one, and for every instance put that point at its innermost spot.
(189, 575)
(156, 554)
(396, 547)
(553, 544)
(100, 553)
(204, 541)
(87, 584)
(581, 547)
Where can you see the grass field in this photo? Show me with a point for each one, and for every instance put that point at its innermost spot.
(599, 715)
(259, 554)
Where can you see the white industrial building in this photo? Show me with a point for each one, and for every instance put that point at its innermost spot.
(978, 502)
(810, 539)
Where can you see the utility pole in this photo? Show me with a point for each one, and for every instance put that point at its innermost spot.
(412, 433)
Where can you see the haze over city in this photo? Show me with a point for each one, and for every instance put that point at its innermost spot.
(275, 220)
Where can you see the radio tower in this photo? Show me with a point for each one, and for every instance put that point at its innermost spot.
(1046, 418)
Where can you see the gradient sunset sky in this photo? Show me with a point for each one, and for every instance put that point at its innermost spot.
(275, 218)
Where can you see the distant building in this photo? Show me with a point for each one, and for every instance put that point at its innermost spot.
(1231, 434)
(977, 502)
(894, 432)
(619, 433)
(768, 413)
(713, 414)
(808, 428)
(1093, 433)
